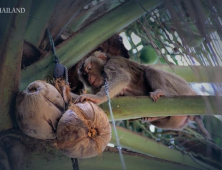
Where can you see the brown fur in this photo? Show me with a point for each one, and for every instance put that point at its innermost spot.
(128, 78)
(113, 46)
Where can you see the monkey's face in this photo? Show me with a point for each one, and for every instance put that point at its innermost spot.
(90, 72)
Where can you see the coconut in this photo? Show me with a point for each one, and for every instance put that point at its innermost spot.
(83, 131)
(38, 110)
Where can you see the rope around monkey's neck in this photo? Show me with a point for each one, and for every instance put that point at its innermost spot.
(112, 118)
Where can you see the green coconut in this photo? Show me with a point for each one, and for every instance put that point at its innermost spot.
(148, 55)
(38, 110)
(83, 131)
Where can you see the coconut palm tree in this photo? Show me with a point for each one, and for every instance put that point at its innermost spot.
(181, 36)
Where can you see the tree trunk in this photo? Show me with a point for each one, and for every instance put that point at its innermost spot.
(12, 28)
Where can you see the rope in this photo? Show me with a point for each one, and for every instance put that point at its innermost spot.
(61, 71)
(75, 164)
(66, 76)
(56, 59)
(119, 147)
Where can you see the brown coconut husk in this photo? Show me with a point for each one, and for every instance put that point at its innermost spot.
(83, 131)
(63, 89)
(38, 109)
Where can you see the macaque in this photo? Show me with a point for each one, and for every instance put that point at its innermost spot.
(114, 46)
(128, 78)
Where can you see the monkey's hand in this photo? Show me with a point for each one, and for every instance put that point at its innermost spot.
(88, 97)
(156, 94)
(74, 96)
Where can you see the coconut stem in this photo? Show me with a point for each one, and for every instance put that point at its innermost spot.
(92, 133)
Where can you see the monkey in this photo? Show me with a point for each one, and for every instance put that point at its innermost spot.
(128, 78)
(114, 46)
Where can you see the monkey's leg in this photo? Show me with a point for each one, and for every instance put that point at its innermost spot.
(156, 94)
(202, 128)
(151, 119)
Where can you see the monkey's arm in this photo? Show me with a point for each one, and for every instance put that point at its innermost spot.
(74, 96)
(155, 80)
(117, 79)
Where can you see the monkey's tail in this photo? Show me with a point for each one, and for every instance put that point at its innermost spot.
(202, 128)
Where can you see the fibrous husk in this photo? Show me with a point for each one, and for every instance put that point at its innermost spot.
(83, 131)
(38, 110)
(63, 89)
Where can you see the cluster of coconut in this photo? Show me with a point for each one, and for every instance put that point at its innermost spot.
(82, 131)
